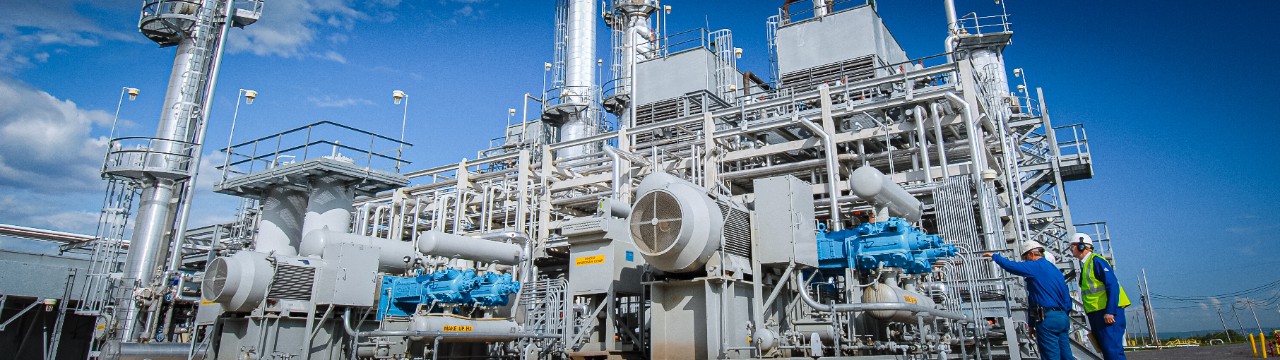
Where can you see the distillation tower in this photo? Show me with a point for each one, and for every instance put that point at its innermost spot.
(680, 208)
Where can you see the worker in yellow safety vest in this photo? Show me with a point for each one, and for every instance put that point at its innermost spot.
(1104, 300)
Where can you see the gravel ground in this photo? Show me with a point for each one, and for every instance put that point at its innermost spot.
(1220, 352)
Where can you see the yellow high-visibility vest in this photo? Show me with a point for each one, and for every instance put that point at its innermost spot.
(1093, 292)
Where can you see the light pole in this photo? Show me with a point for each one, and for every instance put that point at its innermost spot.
(133, 94)
(546, 67)
(397, 96)
(507, 131)
(248, 96)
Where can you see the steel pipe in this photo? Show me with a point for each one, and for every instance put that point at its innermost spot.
(918, 113)
(833, 171)
(808, 300)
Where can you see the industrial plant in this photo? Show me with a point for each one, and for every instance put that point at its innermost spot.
(675, 207)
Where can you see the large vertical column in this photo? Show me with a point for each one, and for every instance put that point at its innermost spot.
(186, 83)
(329, 203)
(144, 251)
(580, 55)
(281, 228)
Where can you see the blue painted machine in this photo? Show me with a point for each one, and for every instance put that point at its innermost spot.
(401, 296)
(891, 243)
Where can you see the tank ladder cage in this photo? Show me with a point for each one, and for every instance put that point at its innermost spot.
(323, 139)
(141, 157)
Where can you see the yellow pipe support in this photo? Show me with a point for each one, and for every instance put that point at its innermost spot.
(1262, 343)
(1253, 346)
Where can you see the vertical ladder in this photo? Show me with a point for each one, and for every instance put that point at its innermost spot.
(108, 246)
(725, 63)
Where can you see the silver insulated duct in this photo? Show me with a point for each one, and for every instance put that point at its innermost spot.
(579, 79)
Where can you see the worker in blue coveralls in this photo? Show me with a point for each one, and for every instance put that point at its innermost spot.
(1104, 300)
(1048, 299)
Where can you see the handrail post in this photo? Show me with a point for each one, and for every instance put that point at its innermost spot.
(308, 142)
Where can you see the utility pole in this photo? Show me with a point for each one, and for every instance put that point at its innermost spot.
(1237, 315)
(1145, 288)
(1224, 324)
(1249, 302)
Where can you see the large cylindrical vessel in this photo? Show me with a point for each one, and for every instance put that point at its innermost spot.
(891, 293)
(466, 329)
(580, 65)
(873, 186)
(452, 246)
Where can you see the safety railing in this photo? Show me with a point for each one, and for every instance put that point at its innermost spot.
(1072, 141)
(580, 95)
(801, 14)
(138, 157)
(358, 147)
(978, 25)
(1101, 235)
(680, 41)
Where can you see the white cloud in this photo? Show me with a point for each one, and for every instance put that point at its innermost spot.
(334, 56)
(330, 101)
(45, 143)
(289, 28)
(27, 32)
(46, 212)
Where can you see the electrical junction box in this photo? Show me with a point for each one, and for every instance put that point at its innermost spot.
(602, 256)
(350, 275)
(783, 229)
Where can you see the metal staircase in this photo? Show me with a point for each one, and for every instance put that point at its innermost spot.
(1043, 164)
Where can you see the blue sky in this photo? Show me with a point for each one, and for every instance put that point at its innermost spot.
(1173, 94)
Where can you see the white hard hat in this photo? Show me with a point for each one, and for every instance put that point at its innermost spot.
(1031, 245)
(1082, 238)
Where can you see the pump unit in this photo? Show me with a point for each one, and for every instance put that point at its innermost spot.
(892, 243)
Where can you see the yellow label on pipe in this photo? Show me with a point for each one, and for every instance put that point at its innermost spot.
(909, 299)
(456, 328)
(589, 260)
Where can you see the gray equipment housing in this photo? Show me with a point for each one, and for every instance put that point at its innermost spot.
(783, 228)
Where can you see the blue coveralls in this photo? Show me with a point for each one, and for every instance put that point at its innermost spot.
(1046, 289)
(1110, 338)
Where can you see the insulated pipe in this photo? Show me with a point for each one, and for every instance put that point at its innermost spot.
(436, 243)
(808, 300)
(918, 112)
(150, 351)
(975, 155)
(936, 113)
(390, 256)
(617, 169)
(833, 170)
(952, 23)
(282, 217)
